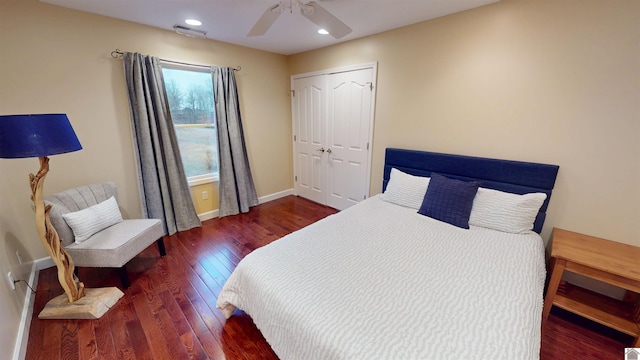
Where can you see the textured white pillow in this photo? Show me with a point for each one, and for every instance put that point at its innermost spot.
(405, 190)
(89, 221)
(504, 211)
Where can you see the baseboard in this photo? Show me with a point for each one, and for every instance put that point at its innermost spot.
(22, 339)
(275, 196)
(42, 264)
(209, 215)
(261, 200)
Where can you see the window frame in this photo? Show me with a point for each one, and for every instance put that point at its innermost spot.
(207, 178)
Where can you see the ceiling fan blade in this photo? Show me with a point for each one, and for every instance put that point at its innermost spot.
(324, 19)
(266, 20)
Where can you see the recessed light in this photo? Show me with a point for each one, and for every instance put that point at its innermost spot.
(193, 22)
(323, 32)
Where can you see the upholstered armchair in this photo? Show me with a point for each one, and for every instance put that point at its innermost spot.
(91, 228)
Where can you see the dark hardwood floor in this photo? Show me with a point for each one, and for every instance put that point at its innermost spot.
(169, 310)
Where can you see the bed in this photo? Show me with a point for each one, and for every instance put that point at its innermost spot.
(381, 280)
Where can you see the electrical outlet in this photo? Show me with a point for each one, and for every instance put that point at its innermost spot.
(12, 280)
(19, 256)
(205, 195)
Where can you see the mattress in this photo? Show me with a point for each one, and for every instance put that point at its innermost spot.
(379, 281)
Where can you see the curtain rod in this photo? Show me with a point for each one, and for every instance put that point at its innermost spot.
(118, 53)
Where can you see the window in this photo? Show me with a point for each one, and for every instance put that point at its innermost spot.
(190, 97)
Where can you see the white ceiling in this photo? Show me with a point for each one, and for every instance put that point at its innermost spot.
(231, 20)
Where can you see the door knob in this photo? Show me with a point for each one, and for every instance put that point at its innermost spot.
(329, 151)
(321, 149)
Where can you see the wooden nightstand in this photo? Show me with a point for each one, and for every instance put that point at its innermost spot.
(608, 261)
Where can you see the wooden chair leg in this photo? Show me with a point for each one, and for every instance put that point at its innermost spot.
(124, 277)
(161, 248)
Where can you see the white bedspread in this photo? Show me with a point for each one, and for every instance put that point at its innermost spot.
(379, 281)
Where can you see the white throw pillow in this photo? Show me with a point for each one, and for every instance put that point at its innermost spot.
(405, 190)
(504, 211)
(89, 221)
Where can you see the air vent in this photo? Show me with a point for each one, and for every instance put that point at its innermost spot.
(186, 31)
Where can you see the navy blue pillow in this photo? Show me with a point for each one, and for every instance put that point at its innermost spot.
(449, 200)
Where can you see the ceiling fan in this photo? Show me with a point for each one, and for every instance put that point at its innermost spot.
(311, 10)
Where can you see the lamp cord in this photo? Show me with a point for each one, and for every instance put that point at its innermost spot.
(17, 281)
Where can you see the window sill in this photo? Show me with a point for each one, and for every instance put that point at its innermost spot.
(201, 180)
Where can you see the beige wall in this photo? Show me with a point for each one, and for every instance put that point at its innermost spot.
(545, 81)
(58, 60)
(202, 205)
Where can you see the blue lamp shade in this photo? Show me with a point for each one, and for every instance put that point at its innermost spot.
(25, 136)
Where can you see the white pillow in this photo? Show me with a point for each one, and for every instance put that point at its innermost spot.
(504, 211)
(405, 190)
(89, 221)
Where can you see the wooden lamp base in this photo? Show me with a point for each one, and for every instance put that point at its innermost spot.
(94, 304)
(77, 302)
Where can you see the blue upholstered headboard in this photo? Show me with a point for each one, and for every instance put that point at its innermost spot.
(505, 175)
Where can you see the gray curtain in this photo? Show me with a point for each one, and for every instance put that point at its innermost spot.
(237, 191)
(164, 193)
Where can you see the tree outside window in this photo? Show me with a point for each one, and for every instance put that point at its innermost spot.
(190, 97)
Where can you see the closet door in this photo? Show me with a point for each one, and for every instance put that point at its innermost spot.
(349, 121)
(332, 120)
(309, 110)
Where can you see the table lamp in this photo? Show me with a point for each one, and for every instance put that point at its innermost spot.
(43, 135)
